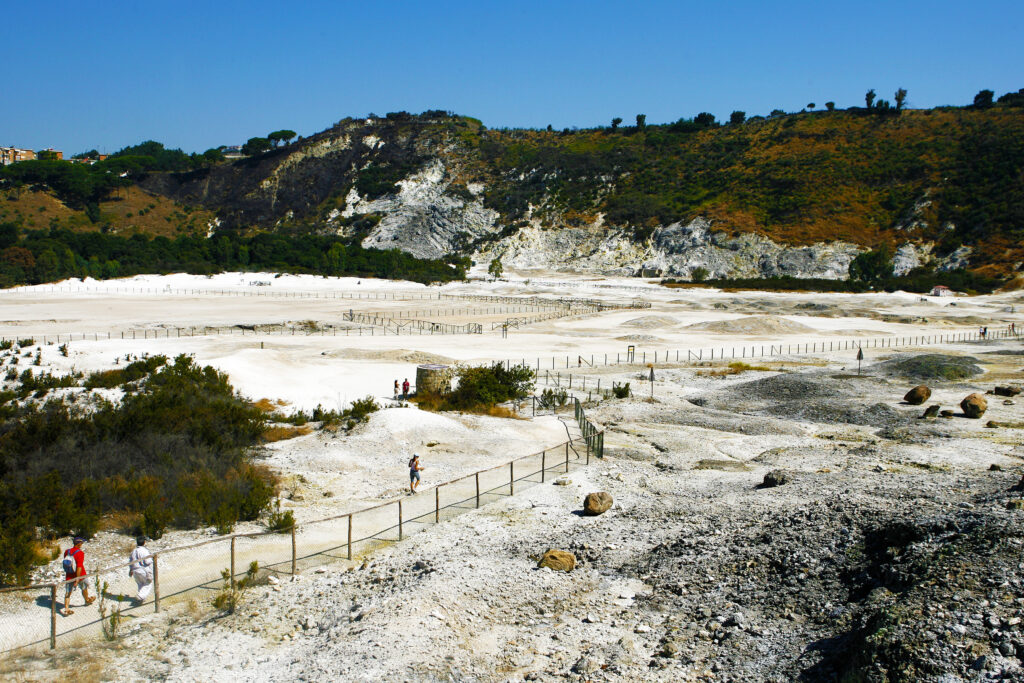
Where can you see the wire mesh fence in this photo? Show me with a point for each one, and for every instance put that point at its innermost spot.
(34, 615)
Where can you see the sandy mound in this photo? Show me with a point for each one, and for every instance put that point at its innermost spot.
(639, 338)
(754, 324)
(397, 355)
(649, 321)
(855, 332)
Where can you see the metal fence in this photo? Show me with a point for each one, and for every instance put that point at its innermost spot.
(30, 615)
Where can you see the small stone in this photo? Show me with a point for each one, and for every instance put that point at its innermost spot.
(596, 503)
(562, 481)
(931, 411)
(586, 665)
(774, 478)
(994, 468)
(948, 414)
(558, 560)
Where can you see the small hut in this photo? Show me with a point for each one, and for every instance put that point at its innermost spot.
(432, 378)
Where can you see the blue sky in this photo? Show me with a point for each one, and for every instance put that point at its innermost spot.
(79, 75)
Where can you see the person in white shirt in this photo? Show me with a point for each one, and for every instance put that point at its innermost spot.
(141, 568)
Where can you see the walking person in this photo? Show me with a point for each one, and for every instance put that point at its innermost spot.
(414, 473)
(405, 388)
(396, 389)
(141, 569)
(74, 575)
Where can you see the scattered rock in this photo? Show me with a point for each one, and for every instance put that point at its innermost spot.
(1015, 504)
(586, 665)
(774, 478)
(918, 395)
(994, 468)
(1007, 391)
(948, 414)
(558, 560)
(596, 503)
(974, 405)
(562, 481)
(931, 411)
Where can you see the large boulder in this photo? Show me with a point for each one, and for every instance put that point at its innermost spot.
(918, 395)
(974, 405)
(559, 560)
(596, 503)
(1007, 391)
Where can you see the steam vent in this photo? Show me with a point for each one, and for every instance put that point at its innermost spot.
(432, 378)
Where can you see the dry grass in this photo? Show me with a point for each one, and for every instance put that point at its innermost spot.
(280, 433)
(265, 404)
(120, 521)
(734, 368)
(46, 550)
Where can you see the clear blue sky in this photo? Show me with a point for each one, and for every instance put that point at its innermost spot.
(78, 75)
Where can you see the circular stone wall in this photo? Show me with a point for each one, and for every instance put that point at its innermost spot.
(433, 379)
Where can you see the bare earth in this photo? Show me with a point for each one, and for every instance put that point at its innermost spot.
(892, 551)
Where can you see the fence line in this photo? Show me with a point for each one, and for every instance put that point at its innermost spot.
(384, 522)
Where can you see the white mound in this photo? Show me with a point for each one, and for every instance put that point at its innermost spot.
(752, 324)
(649, 321)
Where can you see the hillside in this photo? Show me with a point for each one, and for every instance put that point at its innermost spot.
(798, 194)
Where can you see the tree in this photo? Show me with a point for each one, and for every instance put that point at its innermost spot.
(869, 98)
(616, 121)
(983, 98)
(831, 106)
(737, 117)
(254, 146)
(872, 266)
(495, 269)
(279, 136)
(704, 120)
(641, 121)
(900, 97)
(810, 105)
(46, 155)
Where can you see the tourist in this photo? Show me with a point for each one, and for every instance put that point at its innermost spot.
(414, 473)
(74, 574)
(141, 569)
(405, 388)
(396, 389)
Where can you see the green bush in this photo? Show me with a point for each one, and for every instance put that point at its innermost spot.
(620, 390)
(483, 386)
(176, 451)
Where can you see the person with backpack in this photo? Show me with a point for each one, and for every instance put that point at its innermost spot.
(414, 473)
(74, 574)
(141, 569)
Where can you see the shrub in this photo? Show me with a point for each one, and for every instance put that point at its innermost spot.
(280, 522)
(553, 398)
(361, 408)
(621, 390)
(231, 592)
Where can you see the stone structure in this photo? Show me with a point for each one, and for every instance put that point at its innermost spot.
(433, 379)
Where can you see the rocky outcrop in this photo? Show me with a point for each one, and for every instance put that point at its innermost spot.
(421, 219)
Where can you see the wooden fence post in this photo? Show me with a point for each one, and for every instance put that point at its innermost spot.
(232, 561)
(293, 550)
(53, 616)
(477, 475)
(437, 504)
(399, 519)
(350, 537)
(566, 456)
(156, 582)
(512, 479)
(543, 459)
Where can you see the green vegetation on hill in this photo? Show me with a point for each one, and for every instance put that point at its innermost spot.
(48, 255)
(175, 451)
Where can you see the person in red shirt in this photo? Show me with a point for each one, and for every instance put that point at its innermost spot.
(76, 577)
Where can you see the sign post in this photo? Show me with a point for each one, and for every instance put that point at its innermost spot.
(860, 357)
